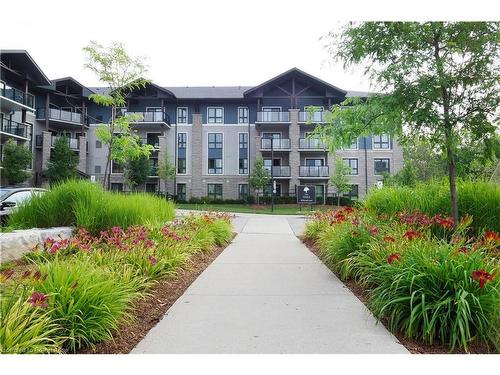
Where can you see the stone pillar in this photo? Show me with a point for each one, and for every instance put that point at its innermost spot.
(294, 134)
(82, 154)
(46, 147)
(258, 153)
(197, 164)
(162, 143)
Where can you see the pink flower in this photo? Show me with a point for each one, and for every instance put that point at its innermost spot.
(152, 260)
(412, 234)
(38, 299)
(393, 257)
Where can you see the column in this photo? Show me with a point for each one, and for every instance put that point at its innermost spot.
(82, 154)
(197, 165)
(294, 135)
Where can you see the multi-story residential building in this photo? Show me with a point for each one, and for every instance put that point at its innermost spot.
(213, 135)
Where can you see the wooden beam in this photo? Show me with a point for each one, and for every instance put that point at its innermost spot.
(282, 89)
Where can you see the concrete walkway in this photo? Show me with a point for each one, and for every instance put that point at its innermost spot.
(267, 293)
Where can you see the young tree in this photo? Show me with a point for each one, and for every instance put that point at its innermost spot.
(137, 171)
(121, 74)
(260, 177)
(440, 82)
(63, 162)
(16, 161)
(166, 170)
(340, 178)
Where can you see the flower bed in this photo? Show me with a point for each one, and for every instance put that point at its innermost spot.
(427, 281)
(73, 293)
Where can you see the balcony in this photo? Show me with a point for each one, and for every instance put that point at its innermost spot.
(14, 99)
(314, 117)
(275, 144)
(148, 117)
(279, 171)
(61, 115)
(273, 117)
(73, 143)
(311, 144)
(15, 129)
(314, 171)
(153, 142)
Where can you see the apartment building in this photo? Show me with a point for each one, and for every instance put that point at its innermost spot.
(213, 135)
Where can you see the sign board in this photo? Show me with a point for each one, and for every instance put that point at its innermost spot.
(306, 194)
(92, 178)
(380, 184)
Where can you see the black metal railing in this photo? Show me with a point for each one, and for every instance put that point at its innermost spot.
(17, 95)
(69, 115)
(273, 116)
(73, 143)
(153, 142)
(147, 116)
(313, 171)
(15, 128)
(316, 116)
(311, 144)
(279, 171)
(275, 143)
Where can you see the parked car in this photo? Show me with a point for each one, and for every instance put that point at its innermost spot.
(12, 197)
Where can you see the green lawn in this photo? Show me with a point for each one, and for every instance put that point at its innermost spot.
(281, 209)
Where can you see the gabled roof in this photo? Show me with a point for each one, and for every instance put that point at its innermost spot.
(299, 72)
(24, 63)
(209, 92)
(107, 90)
(71, 82)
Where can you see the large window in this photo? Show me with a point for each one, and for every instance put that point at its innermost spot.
(315, 162)
(381, 142)
(214, 191)
(243, 153)
(215, 115)
(116, 186)
(352, 146)
(181, 192)
(242, 115)
(215, 152)
(182, 115)
(116, 167)
(353, 193)
(381, 166)
(243, 191)
(181, 153)
(353, 165)
(153, 139)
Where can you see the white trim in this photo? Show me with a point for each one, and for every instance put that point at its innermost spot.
(177, 153)
(357, 165)
(177, 116)
(238, 116)
(248, 154)
(270, 107)
(380, 149)
(216, 123)
(223, 156)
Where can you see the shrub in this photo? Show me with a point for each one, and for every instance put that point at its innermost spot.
(480, 200)
(25, 328)
(84, 204)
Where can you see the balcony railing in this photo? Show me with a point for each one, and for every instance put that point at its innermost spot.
(74, 143)
(279, 171)
(311, 144)
(66, 115)
(313, 171)
(153, 142)
(275, 144)
(17, 95)
(148, 116)
(15, 128)
(317, 116)
(273, 117)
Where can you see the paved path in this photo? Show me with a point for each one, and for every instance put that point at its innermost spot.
(267, 293)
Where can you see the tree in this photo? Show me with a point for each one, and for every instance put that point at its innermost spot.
(440, 83)
(16, 161)
(260, 177)
(137, 171)
(340, 178)
(121, 74)
(166, 170)
(63, 162)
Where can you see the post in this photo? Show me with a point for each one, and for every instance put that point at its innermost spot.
(272, 174)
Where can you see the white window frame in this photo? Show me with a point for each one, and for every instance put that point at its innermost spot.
(215, 123)
(112, 162)
(372, 139)
(352, 148)
(187, 154)
(262, 109)
(177, 116)
(223, 155)
(248, 116)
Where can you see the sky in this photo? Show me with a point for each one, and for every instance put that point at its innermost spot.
(196, 43)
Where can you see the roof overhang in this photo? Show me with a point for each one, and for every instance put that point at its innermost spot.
(21, 63)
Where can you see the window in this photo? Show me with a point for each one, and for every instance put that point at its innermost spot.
(151, 187)
(181, 153)
(116, 167)
(315, 162)
(215, 115)
(243, 153)
(181, 192)
(352, 146)
(182, 115)
(353, 164)
(243, 191)
(320, 192)
(214, 191)
(97, 169)
(242, 115)
(153, 139)
(353, 193)
(116, 186)
(153, 166)
(381, 142)
(19, 197)
(215, 145)
(381, 166)
(98, 144)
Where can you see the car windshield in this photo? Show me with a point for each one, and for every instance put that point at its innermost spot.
(4, 193)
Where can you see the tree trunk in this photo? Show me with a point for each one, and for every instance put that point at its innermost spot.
(453, 186)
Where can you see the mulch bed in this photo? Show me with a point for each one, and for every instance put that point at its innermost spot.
(148, 311)
(414, 347)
